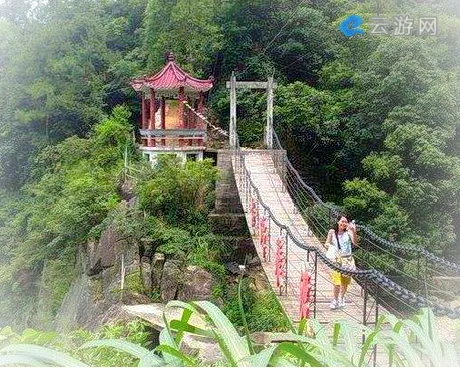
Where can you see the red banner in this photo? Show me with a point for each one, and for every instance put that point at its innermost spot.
(280, 266)
(305, 294)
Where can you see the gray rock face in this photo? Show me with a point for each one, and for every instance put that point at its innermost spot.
(98, 289)
(207, 350)
(197, 284)
(146, 273)
(103, 254)
(170, 280)
(158, 261)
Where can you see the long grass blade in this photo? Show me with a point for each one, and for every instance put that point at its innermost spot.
(301, 354)
(262, 358)
(45, 355)
(184, 360)
(243, 317)
(167, 339)
(371, 340)
(146, 357)
(231, 338)
(186, 327)
(16, 359)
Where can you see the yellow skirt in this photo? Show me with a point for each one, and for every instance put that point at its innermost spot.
(339, 279)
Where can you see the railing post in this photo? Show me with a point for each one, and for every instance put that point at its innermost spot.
(376, 320)
(247, 190)
(418, 272)
(232, 110)
(287, 255)
(365, 307)
(315, 284)
(269, 238)
(269, 127)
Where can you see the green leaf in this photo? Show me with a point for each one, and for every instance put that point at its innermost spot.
(262, 358)
(178, 356)
(370, 340)
(231, 338)
(45, 355)
(146, 357)
(186, 327)
(405, 349)
(16, 359)
(186, 314)
(299, 353)
(336, 333)
(167, 339)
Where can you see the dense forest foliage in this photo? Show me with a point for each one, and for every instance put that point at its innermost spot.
(372, 121)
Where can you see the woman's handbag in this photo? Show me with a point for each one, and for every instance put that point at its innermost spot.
(348, 263)
(332, 254)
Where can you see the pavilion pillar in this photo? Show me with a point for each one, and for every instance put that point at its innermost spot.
(269, 126)
(181, 107)
(151, 142)
(143, 115)
(232, 125)
(181, 113)
(163, 117)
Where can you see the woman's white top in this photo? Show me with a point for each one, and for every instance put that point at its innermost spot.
(345, 243)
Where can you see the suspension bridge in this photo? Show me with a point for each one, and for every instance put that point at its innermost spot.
(288, 222)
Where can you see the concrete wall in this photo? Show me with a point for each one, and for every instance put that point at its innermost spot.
(228, 215)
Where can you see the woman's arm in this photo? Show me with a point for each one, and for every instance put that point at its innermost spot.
(353, 235)
(329, 238)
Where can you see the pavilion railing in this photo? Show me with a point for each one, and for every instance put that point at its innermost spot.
(173, 138)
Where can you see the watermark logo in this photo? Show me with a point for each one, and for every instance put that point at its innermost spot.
(399, 25)
(350, 25)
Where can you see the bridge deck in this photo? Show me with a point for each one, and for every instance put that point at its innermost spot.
(266, 179)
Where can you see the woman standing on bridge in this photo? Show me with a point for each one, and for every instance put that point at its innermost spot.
(339, 242)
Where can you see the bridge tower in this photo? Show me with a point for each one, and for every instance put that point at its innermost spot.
(171, 105)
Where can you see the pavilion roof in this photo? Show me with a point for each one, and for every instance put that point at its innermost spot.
(171, 77)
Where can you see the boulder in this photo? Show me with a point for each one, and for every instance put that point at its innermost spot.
(153, 313)
(232, 267)
(207, 350)
(197, 284)
(158, 261)
(170, 280)
(126, 190)
(146, 274)
(103, 254)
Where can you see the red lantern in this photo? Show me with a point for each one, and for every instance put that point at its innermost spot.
(304, 298)
(264, 237)
(280, 267)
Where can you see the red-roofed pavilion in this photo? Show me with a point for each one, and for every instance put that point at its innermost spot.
(170, 101)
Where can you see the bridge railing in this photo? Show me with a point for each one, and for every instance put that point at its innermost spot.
(415, 269)
(374, 282)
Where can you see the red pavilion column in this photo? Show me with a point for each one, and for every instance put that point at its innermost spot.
(199, 122)
(163, 117)
(152, 116)
(181, 113)
(143, 113)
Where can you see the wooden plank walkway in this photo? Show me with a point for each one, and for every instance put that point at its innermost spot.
(273, 195)
(270, 186)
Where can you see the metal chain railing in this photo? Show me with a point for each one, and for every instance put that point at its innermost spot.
(377, 283)
(414, 268)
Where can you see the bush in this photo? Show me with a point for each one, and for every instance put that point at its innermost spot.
(179, 193)
(263, 311)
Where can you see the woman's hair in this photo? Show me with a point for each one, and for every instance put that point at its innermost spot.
(336, 223)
